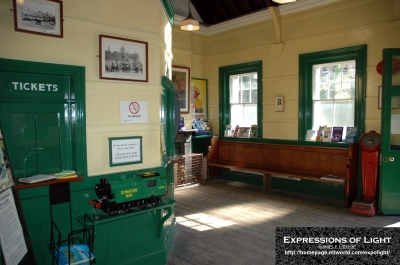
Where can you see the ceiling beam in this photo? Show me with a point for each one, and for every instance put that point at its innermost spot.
(248, 6)
(268, 3)
(210, 15)
(221, 9)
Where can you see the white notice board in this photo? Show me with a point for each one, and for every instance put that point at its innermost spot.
(125, 150)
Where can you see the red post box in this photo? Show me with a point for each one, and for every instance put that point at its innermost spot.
(370, 145)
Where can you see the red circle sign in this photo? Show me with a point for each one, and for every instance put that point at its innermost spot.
(134, 107)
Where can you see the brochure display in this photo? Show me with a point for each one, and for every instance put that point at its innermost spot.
(11, 233)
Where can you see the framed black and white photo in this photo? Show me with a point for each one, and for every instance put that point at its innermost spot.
(181, 77)
(44, 17)
(123, 59)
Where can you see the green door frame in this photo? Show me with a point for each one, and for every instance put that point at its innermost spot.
(389, 183)
(75, 98)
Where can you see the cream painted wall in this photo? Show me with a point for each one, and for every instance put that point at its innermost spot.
(341, 24)
(84, 21)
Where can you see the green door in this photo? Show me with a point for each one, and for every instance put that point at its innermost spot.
(389, 195)
(35, 132)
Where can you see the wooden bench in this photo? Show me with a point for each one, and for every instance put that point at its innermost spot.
(299, 162)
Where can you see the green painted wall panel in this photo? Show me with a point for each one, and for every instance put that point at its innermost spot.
(114, 235)
(140, 228)
(127, 235)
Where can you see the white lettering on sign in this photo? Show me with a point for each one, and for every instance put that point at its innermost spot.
(35, 87)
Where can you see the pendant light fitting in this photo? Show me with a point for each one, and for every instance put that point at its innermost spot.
(189, 23)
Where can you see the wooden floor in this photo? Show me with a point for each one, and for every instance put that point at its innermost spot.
(224, 222)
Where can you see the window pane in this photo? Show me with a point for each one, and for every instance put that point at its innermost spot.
(243, 99)
(245, 82)
(335, 91)
(335, 72)
(349, 90)
(246, 96)
(349, 72)
(234, 89)
(323, 114)
(323, 71)
(236, 115)
(250, 115)
(254, 81)
(344, 113)
(254, 96)
(323, 91)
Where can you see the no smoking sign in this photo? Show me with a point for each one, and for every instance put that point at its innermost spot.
(133, 111)
(134, 107)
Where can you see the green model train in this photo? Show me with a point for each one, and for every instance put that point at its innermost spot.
(139, 191)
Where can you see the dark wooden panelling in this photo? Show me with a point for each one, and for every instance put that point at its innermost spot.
(325, 163)
(311, 161)
(298, 161)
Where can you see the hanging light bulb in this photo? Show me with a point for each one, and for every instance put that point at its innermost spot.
(284, 1)
(189, 23)
(20, 2)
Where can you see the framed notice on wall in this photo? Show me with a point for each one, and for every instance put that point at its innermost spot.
(125, 150)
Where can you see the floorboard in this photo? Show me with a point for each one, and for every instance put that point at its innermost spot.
(226, 222)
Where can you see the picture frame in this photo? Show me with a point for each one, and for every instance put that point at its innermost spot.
(279, 103)
(43, 17)
(125, 150)
(199, 88)
(123, 59)
(180, 78)
(395, 100)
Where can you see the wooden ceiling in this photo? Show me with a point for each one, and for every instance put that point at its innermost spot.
(216, 11)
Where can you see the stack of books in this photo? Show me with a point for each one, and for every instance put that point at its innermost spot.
(65, 174)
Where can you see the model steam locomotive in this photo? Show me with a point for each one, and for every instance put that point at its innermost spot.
(139, 191)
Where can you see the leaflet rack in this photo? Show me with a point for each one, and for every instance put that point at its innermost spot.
(60, 193)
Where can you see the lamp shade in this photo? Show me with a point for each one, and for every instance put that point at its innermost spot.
(190, 24)
(284, 1)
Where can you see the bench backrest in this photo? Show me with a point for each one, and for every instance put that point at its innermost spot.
(298, 159)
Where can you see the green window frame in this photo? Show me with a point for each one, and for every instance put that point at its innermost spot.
(224, 93)
(306, 63)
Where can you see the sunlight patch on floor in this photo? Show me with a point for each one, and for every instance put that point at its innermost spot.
(202, 222)
(394, 225)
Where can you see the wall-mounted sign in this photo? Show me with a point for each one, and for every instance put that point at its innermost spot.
(38, 86)
(134, 111)
(125, 150)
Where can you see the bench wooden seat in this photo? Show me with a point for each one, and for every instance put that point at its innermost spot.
(298, 162)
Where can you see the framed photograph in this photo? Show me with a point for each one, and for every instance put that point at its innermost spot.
(125, 150)
(181, 77)
(279, 103)
(44, 17)
(199, 97)
(123, 59)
